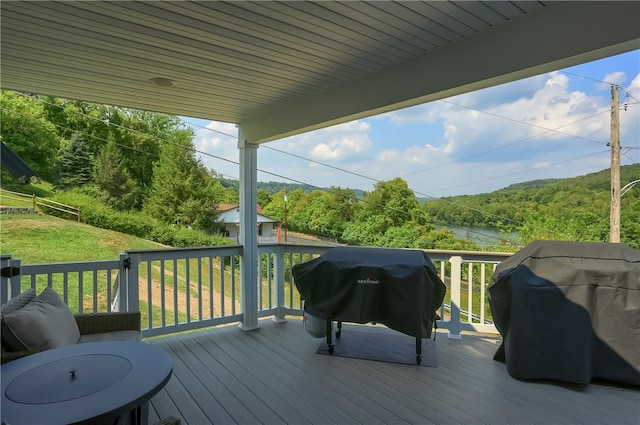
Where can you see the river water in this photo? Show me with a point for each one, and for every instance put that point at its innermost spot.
(484, 236)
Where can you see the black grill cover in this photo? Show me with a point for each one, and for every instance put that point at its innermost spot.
(569, 311)
(396, 287)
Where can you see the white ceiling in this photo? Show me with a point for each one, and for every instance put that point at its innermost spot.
(281, 68)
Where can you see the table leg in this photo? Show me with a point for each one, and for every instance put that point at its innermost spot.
(330, 346)
(136, 416)
(143, 413)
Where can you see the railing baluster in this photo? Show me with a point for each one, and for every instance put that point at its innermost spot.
(199, 272)
(211, 292)
(187, 295)
(259, 283)
(233, 284)
(223, 284)
(80, 292)
(109, 290)
(149, 290)
(163, 309)
(482, 291)
(176, 319)
(95, 291)
(470, 294)
(270, 277)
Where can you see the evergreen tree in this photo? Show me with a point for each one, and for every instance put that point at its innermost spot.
(74, 163)
(114, 179)
(182, 192)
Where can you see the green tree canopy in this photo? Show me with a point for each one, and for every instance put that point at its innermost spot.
(27, 132)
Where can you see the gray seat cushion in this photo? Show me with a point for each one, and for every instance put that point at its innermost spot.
(111, 336)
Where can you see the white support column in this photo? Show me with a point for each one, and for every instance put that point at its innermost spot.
(248, 232)
(456, 281)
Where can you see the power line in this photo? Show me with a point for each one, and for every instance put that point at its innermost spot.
(485, 213)
(511, 144)
(287, 153)
(523, 171)
(130, 129)
(603, 82)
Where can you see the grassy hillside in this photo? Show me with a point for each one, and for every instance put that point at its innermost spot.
(40, 239)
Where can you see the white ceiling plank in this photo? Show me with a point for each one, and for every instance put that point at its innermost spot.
(305, 39)
(232, 37)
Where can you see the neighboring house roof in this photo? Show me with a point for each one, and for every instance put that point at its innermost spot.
(230, 213)
(15, 165)
(226, 207)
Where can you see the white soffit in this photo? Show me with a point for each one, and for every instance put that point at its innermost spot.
(281, 68)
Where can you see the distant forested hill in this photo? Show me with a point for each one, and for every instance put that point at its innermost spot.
(580, 204)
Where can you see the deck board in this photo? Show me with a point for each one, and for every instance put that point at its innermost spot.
(274, 376)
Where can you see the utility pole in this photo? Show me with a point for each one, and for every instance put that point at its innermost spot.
(285, 216)
(615, 166)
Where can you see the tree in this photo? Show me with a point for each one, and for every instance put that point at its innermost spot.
(264, 198)
(74, 163)
(391, 204)
(114, 179)
(182, 191)
(27, 132)
(394, 200)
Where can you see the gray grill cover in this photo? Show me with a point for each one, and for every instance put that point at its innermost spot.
(396, 287)
(569, 311)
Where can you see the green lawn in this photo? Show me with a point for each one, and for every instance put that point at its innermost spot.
(39, 239)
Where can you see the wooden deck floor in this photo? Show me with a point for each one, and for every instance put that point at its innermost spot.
(274, 376)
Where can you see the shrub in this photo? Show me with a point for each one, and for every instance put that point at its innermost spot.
(134, 223)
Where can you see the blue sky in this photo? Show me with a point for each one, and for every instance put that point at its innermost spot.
(553, 125)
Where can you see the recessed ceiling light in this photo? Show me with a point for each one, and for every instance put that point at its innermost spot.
(162, 82)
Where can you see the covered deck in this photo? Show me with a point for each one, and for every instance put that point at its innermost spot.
(274, 376)
(224, 373)
(279, 69)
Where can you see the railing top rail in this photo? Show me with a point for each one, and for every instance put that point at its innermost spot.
(303, 249)
(71, 267)
(187, 249)
(483, 256)
(191, 252)
(434, 254)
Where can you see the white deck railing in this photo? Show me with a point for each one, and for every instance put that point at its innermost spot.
(191, 288)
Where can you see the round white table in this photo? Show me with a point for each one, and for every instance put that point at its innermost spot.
(101, 382)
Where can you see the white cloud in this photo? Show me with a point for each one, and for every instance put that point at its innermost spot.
(339, 143)
(214, 142)
(339, 149)
(617, 78)
(634, 87)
